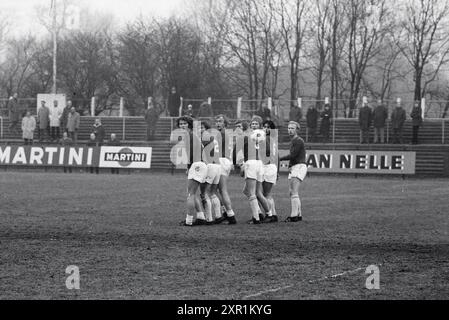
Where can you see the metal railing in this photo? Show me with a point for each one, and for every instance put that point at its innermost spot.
(333, 137)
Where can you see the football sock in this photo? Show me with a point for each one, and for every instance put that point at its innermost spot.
(259, 208)
(254, 207)
(273, 208)
(299, 207)
(208, 208)
(230, 213)
(200, 215)
(216, 207)
(296, 204)
(189, 220)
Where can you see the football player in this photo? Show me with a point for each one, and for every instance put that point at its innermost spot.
(197, 172)
(221, 124)
(253, 169)
(270, 174)
(209, 188)
(298, 169)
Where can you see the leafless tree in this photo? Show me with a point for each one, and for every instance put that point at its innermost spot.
(139, 60)
(338, 40)
(16, 70)
(367, 29)
(293, 19)
(251, 46)
(321, 30)
(423, 40)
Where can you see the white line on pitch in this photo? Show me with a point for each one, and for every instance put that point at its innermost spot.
(340, 274)
(266, 291)
(310, 281)
(337, 275)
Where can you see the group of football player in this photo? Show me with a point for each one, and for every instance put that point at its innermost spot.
(212, 154)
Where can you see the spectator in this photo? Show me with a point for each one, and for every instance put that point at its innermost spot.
(380, 115)
(416, 116)
(28, 127)
(151, 118)
(66, 141)
(99, 131)
(55, 116)
(43, 119)
(241, 127)
(312, 122)
(205, 110)
(326, 119)
(189, 111)
(93, 142)
(365, 119)
(295, 114)
(65, 115)
(114, 142)
(14, 114)
(73, 124)
(174, 102)
(264, 112)
(397, 122)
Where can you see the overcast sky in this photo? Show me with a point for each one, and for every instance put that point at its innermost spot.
(22, 12)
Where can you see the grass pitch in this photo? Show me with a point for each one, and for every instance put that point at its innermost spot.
(123, 234)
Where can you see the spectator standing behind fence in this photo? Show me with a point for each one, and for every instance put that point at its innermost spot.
(114, 142)
(326, 119)
(43, 120)
(28, 127)
(264, 112)
(295, 114)
(312, 123)
(151, 119)
(174, 102)
(416, 116)
(14, 114)
(189, 111)
(397, 122)
(99, 131)
(93, 142)
(380, 115)
(65, 115)
(365, 119)
(73, 124)
(55, 122)
(66, 141)
(205, 110)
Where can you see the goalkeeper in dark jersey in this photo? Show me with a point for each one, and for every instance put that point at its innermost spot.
(298, 169)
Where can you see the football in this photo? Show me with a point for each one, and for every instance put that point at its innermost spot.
(258, 135)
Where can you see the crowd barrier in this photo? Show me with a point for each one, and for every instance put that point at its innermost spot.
(355, 159)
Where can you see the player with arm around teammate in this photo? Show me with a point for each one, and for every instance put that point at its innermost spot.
(209, 189)
(298, 170)
(197, 172)
(253, 169)
(221, 124)
(270, 169)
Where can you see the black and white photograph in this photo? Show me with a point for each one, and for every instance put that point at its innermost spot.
(241, 152)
